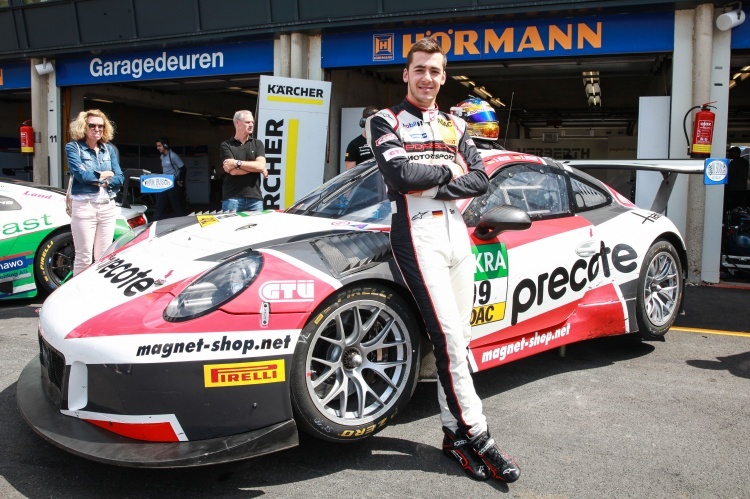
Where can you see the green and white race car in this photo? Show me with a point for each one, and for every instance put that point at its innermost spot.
(36, 245)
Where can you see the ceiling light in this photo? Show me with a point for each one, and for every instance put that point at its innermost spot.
(590, 74)
(592, 89)
(461, 78)
(480, 91)
(497, 102)
(100, 100)
(251, 92)
(234, 88)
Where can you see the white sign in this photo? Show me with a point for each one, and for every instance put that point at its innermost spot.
(716, 171)
(292, 122)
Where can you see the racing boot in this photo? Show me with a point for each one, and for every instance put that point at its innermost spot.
(499, 464)
(456, 446)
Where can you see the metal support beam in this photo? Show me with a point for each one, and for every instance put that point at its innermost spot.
(719, 95)
(702, 41)
(282, 54)
(299, 55)
(39, 84)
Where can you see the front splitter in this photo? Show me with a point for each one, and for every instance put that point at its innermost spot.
(91, 442)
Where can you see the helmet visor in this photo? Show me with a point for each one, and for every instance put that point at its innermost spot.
(489, 130)
(476, 114)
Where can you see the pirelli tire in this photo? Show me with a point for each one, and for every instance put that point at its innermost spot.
(54, 261)
(660, 287)
(355, 365)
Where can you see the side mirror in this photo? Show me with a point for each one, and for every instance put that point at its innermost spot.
(500, 219)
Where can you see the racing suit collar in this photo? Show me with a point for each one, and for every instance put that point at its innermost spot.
(419, 109)
(426, 114)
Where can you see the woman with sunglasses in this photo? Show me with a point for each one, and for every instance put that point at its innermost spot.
(94, 167)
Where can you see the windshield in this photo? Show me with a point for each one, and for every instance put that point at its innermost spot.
(357, 195)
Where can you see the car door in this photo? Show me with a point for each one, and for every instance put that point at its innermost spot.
(17, 242)
(528, 283)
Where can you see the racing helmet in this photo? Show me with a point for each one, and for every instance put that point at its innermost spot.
(480, 118)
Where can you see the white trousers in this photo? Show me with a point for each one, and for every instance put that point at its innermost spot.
(93, 227)
(433, 251)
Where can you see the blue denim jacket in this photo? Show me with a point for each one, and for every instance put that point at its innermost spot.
(85, 166)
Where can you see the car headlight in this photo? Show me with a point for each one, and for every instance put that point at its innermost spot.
(215, 287)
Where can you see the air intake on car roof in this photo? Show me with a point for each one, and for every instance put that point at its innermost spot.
(344, 253)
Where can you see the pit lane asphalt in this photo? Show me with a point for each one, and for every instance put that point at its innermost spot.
(613, 418)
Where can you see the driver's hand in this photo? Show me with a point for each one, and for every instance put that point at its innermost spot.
(455, 168)
(427, 193)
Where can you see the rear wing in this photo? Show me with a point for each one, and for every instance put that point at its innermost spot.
(128, 176)
(669, 168)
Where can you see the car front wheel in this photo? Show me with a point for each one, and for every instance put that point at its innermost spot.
(355, 365)
(54, 261)
(659, 290)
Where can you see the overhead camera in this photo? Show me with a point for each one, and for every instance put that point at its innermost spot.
(45, 68)
(731, 19)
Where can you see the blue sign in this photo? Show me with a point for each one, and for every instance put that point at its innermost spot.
(156, 183)
(595, 35)
(716, 171)
(741, 35)
(183, 62)
(14, 76)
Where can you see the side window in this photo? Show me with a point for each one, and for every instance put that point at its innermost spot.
(537, 189)
(8, 204)
(587, 196)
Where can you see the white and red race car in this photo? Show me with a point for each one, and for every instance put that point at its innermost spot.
(215, 337)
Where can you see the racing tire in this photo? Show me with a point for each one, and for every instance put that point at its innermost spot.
(660, 288)
(355, 365)
(54, 261)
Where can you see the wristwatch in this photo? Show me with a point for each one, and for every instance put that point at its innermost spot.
(239, 163)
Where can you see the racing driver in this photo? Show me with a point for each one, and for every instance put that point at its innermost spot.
(429, 161)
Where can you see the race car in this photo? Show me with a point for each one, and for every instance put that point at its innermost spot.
(216, 337)
(36, 245)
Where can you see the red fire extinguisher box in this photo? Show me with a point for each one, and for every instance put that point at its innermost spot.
(703, 132)
(26, 135)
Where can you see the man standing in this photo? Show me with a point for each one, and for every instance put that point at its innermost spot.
(244, 161)
(735, 192)
(358, 151)
(171, 164)
(429, 161)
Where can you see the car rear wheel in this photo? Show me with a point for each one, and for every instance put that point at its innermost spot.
(54, 261)
(659, 290)
(355, 365)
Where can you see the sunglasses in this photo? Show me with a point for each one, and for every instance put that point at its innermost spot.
(95, 125)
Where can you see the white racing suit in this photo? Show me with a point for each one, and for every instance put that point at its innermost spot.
(429, 161)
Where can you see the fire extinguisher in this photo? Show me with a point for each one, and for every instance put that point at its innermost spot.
(26, 134)
(703, 131)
